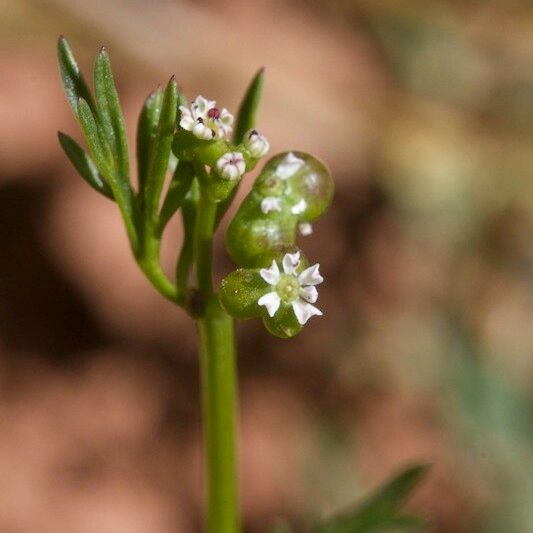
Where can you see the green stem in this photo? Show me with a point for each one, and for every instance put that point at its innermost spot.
(205, 226)
(218, 383)
(219, 397)
(150, 265)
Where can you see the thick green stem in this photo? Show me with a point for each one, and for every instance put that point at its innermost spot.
(219, 397)
(218, 383)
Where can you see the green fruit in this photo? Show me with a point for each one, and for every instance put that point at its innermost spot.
(239, 292)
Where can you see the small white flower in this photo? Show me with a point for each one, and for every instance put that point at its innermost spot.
(305, 228)
(256, 144)
(231, 165)
(298, 290)
(289, 166)
(205, 120)
(299, 208)
(270, 203)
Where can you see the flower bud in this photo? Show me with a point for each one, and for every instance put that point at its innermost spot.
(256, 144)
(231, 166)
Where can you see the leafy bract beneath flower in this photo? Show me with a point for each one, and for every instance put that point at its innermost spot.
(205, 120)
(291, 288)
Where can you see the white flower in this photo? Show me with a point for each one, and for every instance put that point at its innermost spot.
(270, 203)
(231, 165)
(305, 228)
(289, 166)
(298, 290)
(256, 144)
(299, 208)
(205, 120)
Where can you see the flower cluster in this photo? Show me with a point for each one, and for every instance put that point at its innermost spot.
(208, 123)
(205, 120)
(298, 290)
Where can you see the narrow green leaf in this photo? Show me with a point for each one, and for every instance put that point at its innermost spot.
(246, 117)
(110, 115)
(102, 157)
(73, 81)
(160, 151)
(146, 133)
(99, 151)
(178, 188)
(382, 510)
(395, 492)
(84, 164)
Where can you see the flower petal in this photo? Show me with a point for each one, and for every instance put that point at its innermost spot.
(309, 294)
(226, 118)
(187, 121)
(311, 276)
(199, 130)
(271, 275)
(291, 262)
(202, 105)
(271, 301)
(241, 165)
(304, 311)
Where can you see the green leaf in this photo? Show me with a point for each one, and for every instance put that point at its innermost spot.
(73, 81)
(110, 114)
(246, 117)
(381, 511)
(395, 492)
(103, 159)
(161, 150)
(99, 150)
(178, 188)
(84, 164)
(146, 133)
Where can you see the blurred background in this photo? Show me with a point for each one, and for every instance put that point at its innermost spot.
(424, 112)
